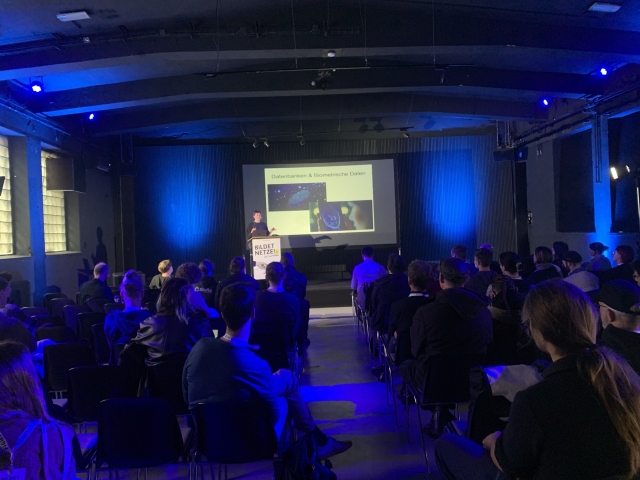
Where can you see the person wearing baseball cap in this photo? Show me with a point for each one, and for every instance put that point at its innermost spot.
(578, 276)
(619, 302)
(599, 262)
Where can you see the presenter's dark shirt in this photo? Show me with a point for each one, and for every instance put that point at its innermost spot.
(257, 226)
(559, 430)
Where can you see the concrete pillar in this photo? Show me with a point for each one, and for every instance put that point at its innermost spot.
(36, 219)
(601, 181)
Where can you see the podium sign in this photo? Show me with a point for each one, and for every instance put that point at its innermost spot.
(264, 250)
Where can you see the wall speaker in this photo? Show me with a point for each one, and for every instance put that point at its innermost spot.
(66, 174)
(1, 184)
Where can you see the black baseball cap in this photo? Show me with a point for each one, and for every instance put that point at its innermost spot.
(572, 257)
(620, 295)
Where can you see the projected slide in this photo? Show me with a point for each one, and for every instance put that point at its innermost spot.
(340, 201)
(334, 203)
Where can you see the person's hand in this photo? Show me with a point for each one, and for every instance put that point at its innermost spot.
(489, 442)
(273, 229)
(253, 229)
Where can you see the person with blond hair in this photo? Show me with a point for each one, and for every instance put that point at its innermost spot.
(582, 421)
(35, 446)
(166, 269)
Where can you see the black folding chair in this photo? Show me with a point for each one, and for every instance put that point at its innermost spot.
(58, 304)
(57, 334)
(100, 343)
(165, 381)
(273, 349)
(46, 301)
(59, 359)
(36, 321)
(137, 433)
(233, 432)
(88, 386)
(71, 312)
(110, 307)
(85, 321)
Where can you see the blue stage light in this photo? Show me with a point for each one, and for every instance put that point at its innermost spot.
(36, 86)
(603, 71)
(545, 102)
(92, 116)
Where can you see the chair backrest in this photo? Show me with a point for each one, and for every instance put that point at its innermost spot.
(58, 304)
(88, 386)
(235, 431)
(137, 433)
(59, 358)
(46, 301)
(100, 343)
(447, 379)
(368, 295)
(273, 349)
(116, 350)
(57, 334)
(71, 315)
(27, 312)
(85, 321)
(109, 307)
(36, 321)
(96, 304)
(150, 295)
(164, 380)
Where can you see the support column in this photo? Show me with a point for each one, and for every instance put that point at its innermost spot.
(601, 182)
(36, 219)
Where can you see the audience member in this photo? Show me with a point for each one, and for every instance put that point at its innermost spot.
(403, 310)
(10, 327)
(97, 287)
(166, 269)
(636, 271)
(505, 308)
(388, 289)
(512, 267)
(558, 249)
(237, 274)
(481, 281)
(277, 311)
(545, 269)
(460, 251)
(622, 257)
(580, 421)
(457, 322)
(7, 305)
(619, 303)
(495, 266)
(227, 368)
(599, 262)
(294, 281)
(207, 284)
(578, 276)
(192, 274)
(120, 326)
(174, 329)
(364, 273)
(40, 445)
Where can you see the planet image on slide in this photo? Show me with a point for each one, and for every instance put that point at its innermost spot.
(331, 215)
(299, 198)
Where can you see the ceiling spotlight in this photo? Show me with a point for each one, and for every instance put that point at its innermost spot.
(603, 72)
(628, 168)
(331, 53)
(614, 173)
(406, 135)
(92, 116)
(37, 85)
(255, 143)
(302, 140)
(266, 142)
(545, 102)
(86, 40)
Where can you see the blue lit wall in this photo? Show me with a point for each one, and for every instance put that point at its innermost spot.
(450, 191)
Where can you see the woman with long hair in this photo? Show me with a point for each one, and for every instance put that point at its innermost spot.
(28, 435)
(545, 269)
(582, 421)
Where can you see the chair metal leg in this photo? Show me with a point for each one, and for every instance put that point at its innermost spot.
(424, 446)
(226, 472)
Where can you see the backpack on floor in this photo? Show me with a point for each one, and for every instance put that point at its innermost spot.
(300, 462)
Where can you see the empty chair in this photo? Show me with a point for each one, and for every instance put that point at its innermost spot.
(137, 433)
(85, 321)
(164, 380)
(234, 432)
(58, 304)
(50, 296)
(109, 307)
(97, 304)
(100, 343)
(60, 358)
(36, 321)
(88, 386)
(57, 334)
(26, 312)
(71, 315)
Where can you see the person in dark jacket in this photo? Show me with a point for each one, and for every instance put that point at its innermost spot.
(545, 269)
(388, 289)
(511, 267)
(294, 281)
(622, 257)
(174, 329)
(236, 275)
(403, 310)
(120, 326)
(97, 287)
(10, 327)
(277, 311)
(619, 303)
(558, 250)
(207, 284)
(166, 269)
(457, 322)
(505, 308)
(481, 281)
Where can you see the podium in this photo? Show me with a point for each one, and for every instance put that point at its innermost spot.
(264, 250)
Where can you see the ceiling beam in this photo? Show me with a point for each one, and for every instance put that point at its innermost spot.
(459, 81)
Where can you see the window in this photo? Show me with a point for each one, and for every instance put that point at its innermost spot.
(6, 226)
(55, 235)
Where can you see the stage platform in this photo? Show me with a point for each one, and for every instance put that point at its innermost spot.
(329, 293)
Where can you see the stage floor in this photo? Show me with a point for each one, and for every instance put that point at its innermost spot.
(329, 293)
